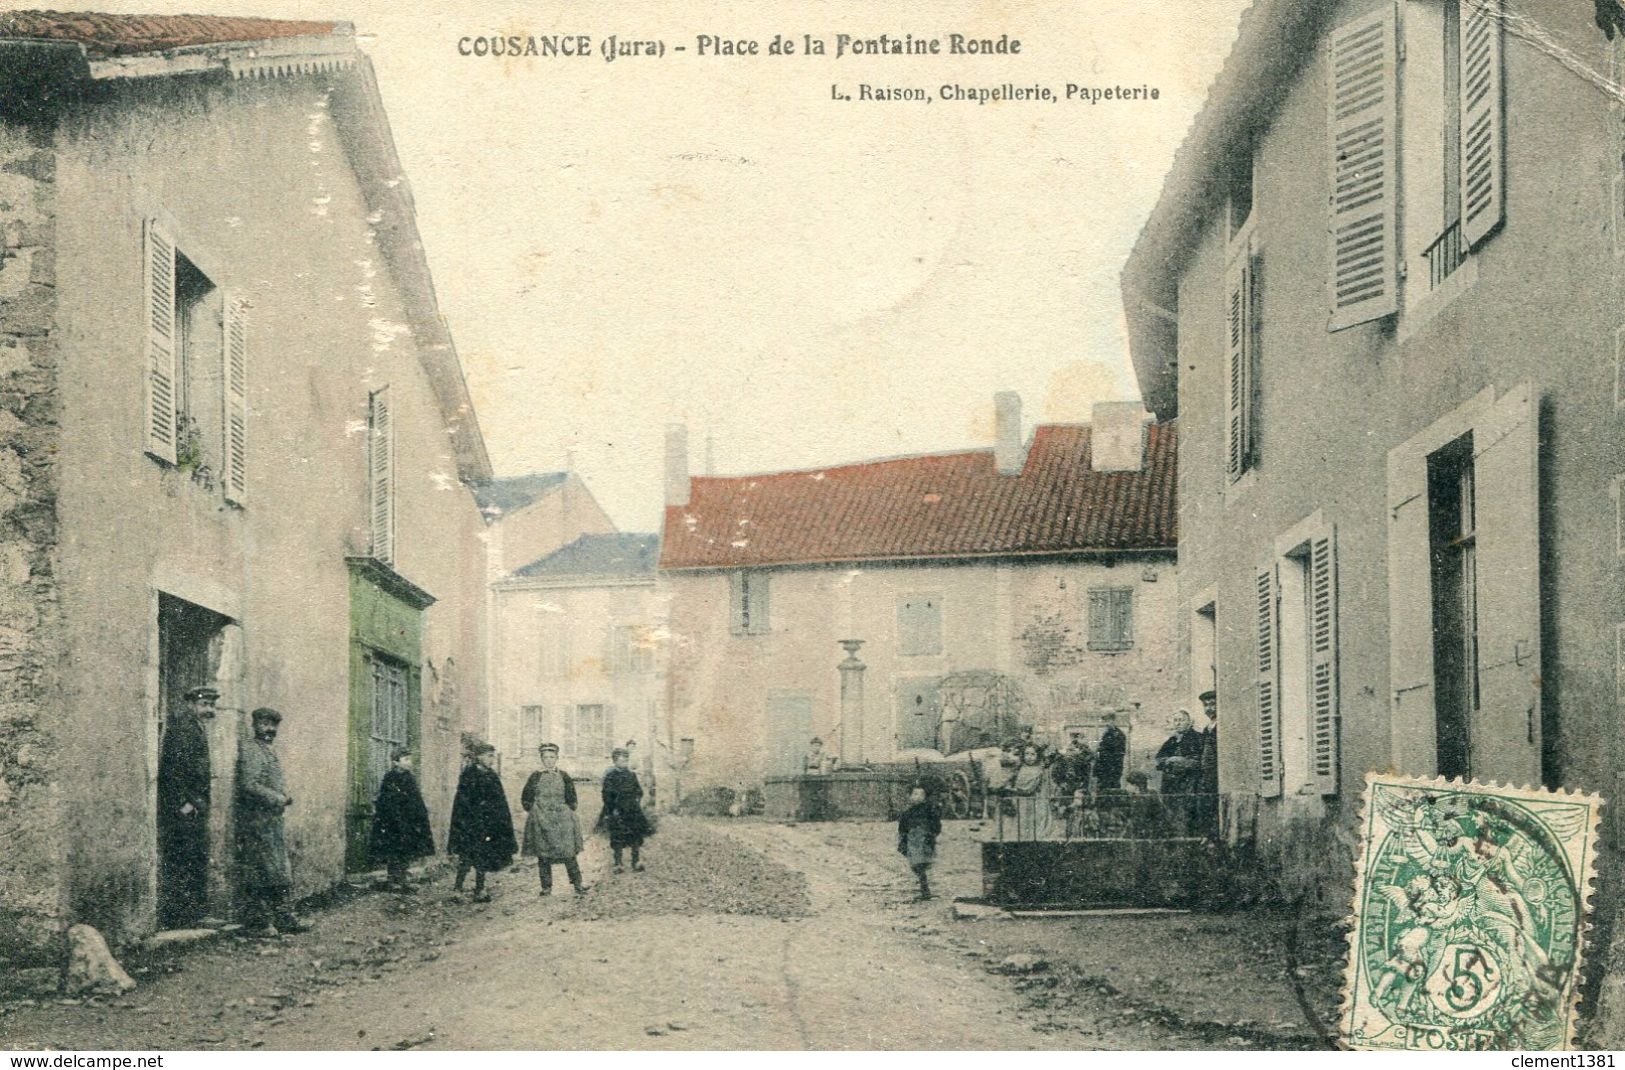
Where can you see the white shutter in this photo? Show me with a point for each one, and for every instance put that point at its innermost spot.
(1238, 304)
(381, 474)
(1483, 120)
(1323, 696)
(234, 389)
(163, 332)
(1506, 727)
(1362, 119)
(1123, 616)
(1269, 707)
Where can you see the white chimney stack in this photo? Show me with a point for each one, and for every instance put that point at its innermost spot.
(1008, 455)
(1117, 436)
(676, 464)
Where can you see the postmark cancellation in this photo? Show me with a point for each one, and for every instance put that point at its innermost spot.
(1471, 909)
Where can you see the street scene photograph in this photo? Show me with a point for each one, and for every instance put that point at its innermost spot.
(727, 527)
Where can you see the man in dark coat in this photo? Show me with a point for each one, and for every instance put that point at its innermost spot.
(481, 824)
(400, 822)
(1179, 760)
(262, 845)
(1109, 755)
(622, 816)
(183, 812)
(1207, 801)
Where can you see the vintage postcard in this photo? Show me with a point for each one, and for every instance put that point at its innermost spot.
(1471, 912)
(726, 525)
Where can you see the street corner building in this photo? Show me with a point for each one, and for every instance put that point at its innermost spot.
(235, 449)
(920, 607)
(1381, 291)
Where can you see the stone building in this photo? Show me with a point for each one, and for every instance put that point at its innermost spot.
(1381, 291)
(235, 448)
(578, 656)
(1042, 570)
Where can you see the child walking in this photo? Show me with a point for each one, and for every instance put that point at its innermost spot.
(917, 832)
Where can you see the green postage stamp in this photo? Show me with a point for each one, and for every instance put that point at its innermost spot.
(1470, 916)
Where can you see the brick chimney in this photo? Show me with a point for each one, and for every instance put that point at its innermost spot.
(1117, 436)
(676, 464)
(1009, 456)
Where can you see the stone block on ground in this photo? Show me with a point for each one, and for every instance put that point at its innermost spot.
(91, 966)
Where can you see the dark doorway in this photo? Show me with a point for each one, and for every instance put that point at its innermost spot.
(189, 651)
(1452, 519)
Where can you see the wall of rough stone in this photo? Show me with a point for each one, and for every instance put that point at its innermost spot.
(30, 770)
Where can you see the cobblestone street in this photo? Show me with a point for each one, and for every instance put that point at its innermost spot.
(739, 935)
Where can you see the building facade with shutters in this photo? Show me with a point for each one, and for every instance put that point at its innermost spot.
(579, 654)
(1381, 293)
(236, 450)
(1032, 584)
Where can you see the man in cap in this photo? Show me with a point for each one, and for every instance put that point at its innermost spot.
(552, 831)
(1207, 799)
(183, 812)
(262, 846)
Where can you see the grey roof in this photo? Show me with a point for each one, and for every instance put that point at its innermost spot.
(516, 492)
(614, 554)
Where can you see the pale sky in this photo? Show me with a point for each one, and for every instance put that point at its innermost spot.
(714, 240)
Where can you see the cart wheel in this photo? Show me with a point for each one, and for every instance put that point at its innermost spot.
(957, 800)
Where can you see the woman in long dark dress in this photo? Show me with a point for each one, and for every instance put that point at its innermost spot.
(481, 824)
(400, 822)
(622, 816)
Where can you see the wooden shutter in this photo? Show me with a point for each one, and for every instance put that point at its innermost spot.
(1483, 120)
(234, 388)
(1123, 617)
(1238, 338)
(163, 334)
(381, 474)
(1269, 710)
(758, 603)
(1323, 694)
(1099, 618)
(1363, 119)
(1506, 728)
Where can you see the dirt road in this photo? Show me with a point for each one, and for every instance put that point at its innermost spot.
(739, 935)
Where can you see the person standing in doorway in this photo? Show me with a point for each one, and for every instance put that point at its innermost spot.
(622, 816)
(481, 833)
(1110, 753)
(183, 812)
(552, 832)
(1207, 787)
(917, 832)
(262, 844)
(400, 821)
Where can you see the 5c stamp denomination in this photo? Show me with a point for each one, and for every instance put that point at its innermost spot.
(1470, 916)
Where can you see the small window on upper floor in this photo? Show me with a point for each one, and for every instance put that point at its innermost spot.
(197, 368)
(1111, 618)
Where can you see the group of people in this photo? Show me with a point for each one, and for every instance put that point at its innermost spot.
(481, 837)
(184, 805)
(482, 831)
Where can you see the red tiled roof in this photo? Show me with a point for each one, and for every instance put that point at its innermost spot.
(935, 506)
(118, 35)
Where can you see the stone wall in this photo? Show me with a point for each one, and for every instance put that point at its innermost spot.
(30, 879)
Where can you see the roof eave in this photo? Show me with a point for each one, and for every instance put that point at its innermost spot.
(1269, 51)
(938, 559)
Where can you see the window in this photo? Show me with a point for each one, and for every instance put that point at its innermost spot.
(1453, 184)
(747, 597)
(1243, 330)
(1296, 658)
(591, 732)
(1111, 618)
(381, 474)
(389, 717)
(630, 650)
(532, 728)
(1453, 553)
(919, 625)
(197, 368)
